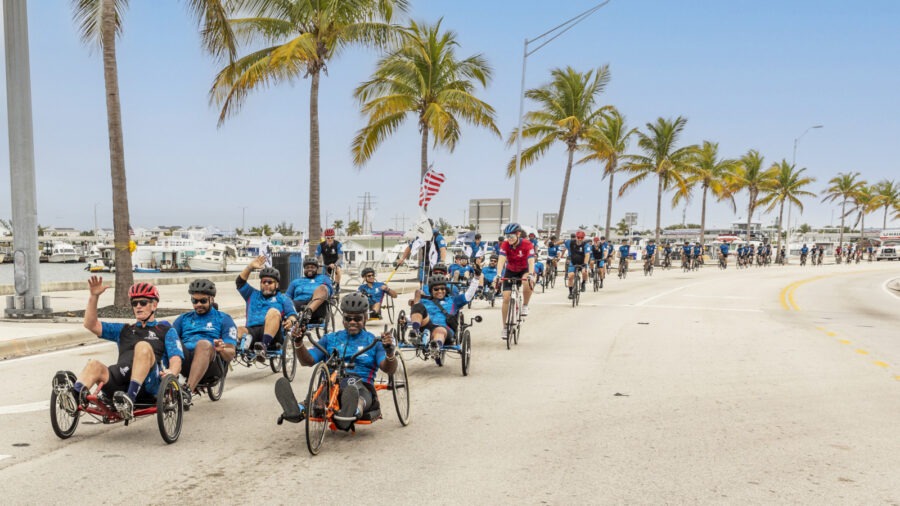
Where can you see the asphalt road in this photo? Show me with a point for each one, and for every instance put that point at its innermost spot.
(763, 386)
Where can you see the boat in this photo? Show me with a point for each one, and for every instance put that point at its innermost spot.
(63, 253)
(219, 257)
(145, 270)
(99, 265)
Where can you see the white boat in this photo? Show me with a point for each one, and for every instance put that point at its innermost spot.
(99, 265)
(219, 258)
(62, 253)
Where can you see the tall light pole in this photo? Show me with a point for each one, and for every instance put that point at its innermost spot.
(793, 165)
(555, 32)
(244, 219)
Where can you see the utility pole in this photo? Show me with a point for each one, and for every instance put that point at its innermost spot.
(365, 205)
(244, 219)
(26, 273)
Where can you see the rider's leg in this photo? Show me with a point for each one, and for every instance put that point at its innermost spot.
(271, 326)
(337, 275)
(319, 296)
(417, 317)
(439, 335)
(203, 356)
(526, 291)
(93, 373)
(504, 308)
(140, 367)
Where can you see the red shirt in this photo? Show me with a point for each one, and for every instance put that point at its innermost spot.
(517, 257)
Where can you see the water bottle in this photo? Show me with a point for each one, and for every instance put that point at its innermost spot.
(426, 334)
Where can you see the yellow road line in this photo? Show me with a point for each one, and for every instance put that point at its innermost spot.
(862, 352)
(879, 363)
(844, 341)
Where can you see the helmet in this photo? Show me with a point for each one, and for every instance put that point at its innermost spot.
(552, 237)
(494, 258)
(367, 271)
(203, 286)
(440, 266)
(143, 290)
(329, 232)
(512, 228)
(500, 239)
(310, 260)
(579, 234)
(270, 272)
(354, 303)
(437, 280)
(596, 239)
(531, 234)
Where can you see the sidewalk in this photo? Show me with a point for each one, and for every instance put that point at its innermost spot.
(24, 337)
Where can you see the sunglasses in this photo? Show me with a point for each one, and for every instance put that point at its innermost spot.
(354, 318)
(199, 301)
(139, 302)
(267, 282)
(444, 288)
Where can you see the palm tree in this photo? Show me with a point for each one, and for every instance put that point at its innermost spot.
(99, 22)
(423, 77)
(843, 186)
(710, 173)
(889, 193)
(788, 186)
(865, 200)
(354, 228)
(568, 109)
(607, 144)
(301, 37)
(749, 175)
(661, 158)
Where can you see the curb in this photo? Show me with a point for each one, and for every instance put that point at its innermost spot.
(32, 345)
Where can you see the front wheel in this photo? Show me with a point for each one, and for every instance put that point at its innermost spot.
(64, 421)
(401, 326)
(317, 408)
(275, 359)
(289, 359)
(399, 382)
(215, 391)
(465, 351)
(169, 409)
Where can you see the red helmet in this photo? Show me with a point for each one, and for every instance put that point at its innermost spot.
(143, 290)
(596, 239)
(579, 234)
(329, 232)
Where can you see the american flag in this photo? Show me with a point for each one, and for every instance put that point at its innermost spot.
(431, 184)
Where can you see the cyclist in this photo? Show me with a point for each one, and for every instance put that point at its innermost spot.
(267, 308)
(488, 274)
(141, 347)
(434, 251)
(538, 269)
(437, 313)
(310, 292)
(667, 255)
(686, 253)
(649, 254)
(476, 250)
(497, 245)
(553, 251)
(804, 251)
(461, 270)
(624, 251)
(358, 395)
(578, 250)
(598, 259)
(516, 262)
(375, 291)
(534, 240)
(331, 255)
(439, 268)
(723, 254)
(697, 254)
(204, 332)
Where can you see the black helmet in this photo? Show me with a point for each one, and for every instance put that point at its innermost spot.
(367, 271)
(495, 258)
(354, 303)
(461, 255)
(270, 272)
(440, 266)
(203, 286)
(310, 260)
(437, 280)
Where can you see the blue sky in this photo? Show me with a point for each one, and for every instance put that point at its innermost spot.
(746, 74)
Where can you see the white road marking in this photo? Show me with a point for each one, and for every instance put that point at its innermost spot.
(25, 408)
(655, 306)
(716, 296)
(884, 286)
(5, 457)
(663, 294)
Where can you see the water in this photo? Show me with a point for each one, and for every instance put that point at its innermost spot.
(51, 273)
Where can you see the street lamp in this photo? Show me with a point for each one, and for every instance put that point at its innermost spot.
(793, 164)
(556, 32)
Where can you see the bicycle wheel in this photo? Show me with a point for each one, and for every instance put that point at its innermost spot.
(465, 351)
(389, 307)
(399, 384)
(169, 409)
(289, 359)
(275, 359)
(401, 326)
(215, 391)
(64, 423)
(317, 408)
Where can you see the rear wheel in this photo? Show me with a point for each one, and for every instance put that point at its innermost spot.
(289, 359)
(399, 385)
(317, 408)
(465, 351)
(275, 359)
(401, 326)
(388, 307)
(169, 410)
(64, 421)
(215, 391)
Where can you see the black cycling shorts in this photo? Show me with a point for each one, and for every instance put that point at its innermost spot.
(120, 378)
(318, 315)
(213, 372)
(507, 283)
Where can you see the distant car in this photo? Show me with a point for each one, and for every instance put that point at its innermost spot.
(888, 251)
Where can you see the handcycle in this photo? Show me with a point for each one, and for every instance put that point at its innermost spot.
(324, 393)
(460, 345)
(65, 410)
(213, 386)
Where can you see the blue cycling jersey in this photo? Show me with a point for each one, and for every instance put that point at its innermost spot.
(258, 305)
(374, 293)
(147, 333)
(489, 274)
(538, 268)
(553, 251)
(686, 250)
(192, 328)
(464, 272)
(302, 288)
(724, 248)
(366, 365)
(624, 250)
(697, 251)
(651, 250)
(450, 305)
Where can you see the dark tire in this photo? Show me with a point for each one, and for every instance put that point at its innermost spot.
(402, 322)
(289, 358)
(399, 386)
(215, 391)
(64, 424)
(389, 308)
(317, 408)
(169, 409)
(275, 360)
(510, 335)
(465, 351)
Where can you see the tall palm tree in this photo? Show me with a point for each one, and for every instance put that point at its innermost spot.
(671, 166)
(710, 173)
(99, 23)
(749, 175)
(607, 144)
(889, 193)
(843, 186)
(423, 77)
(788, 187)
(567, 111)
(299, 37)
(866, 200)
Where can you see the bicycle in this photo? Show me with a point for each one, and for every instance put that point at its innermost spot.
(723, 262)
(648, 267)
(513, 323)
(623, 267)
(595, 278)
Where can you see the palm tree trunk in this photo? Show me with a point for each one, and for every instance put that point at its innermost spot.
(315, 227)
(841, 235)
(778, 244)
(659, 193)
(703, 216)
(424, 167)
(884, 225)
(610, 200)
(121, 217)
(750, 214)
(565, 192)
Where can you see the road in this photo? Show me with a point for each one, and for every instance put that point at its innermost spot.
(764, 386)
